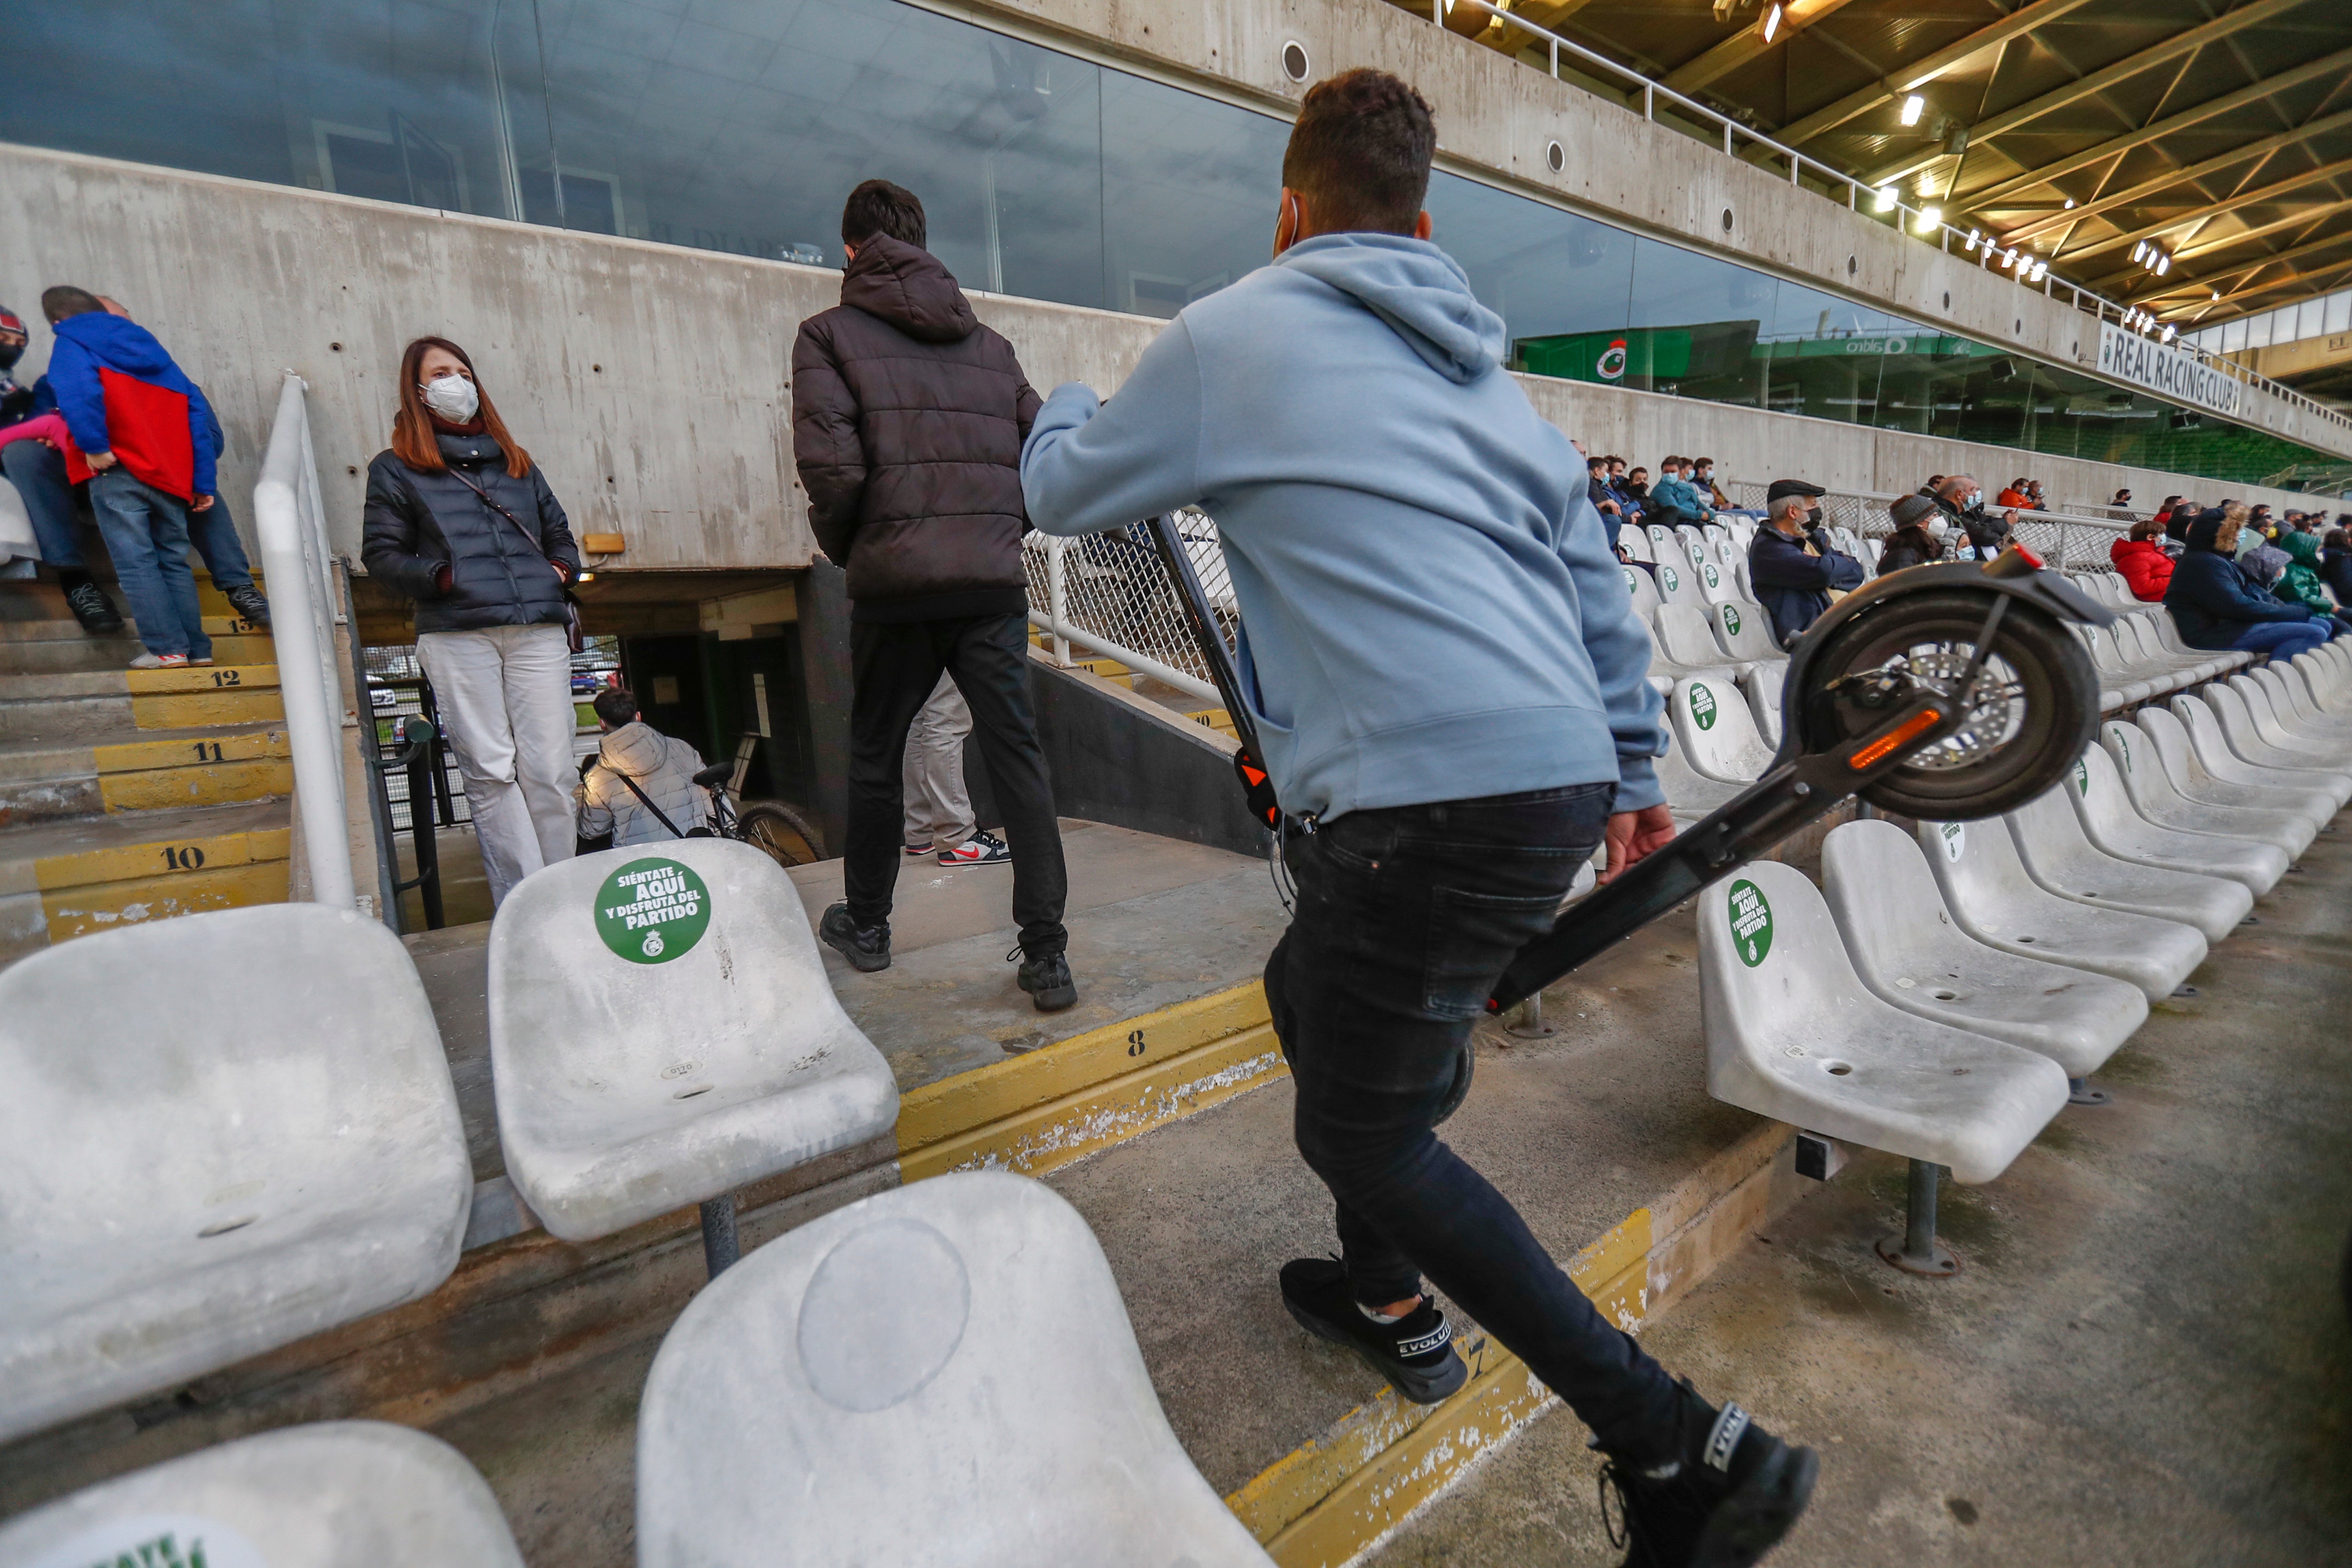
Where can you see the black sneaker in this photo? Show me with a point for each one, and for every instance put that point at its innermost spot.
(1415, 1353)
(866, 947)
(248, 603)
(93, 609)
(1048, 980)
(982, 848)
(1734, 1494)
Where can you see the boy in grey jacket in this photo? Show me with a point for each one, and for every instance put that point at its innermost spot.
(1447, 677)
(662, 767)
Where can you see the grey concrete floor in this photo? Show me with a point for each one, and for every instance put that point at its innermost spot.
(2145, 1359)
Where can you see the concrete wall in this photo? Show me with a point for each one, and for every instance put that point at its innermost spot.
(652, 382)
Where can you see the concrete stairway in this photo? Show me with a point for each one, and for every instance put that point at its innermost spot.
(133, 794)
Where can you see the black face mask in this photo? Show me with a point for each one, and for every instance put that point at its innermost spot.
(1813, 518)
(9, 354)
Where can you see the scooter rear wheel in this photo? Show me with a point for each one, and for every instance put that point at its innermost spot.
(2033, 710)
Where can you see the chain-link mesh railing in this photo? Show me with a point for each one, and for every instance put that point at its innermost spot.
(1108, 595)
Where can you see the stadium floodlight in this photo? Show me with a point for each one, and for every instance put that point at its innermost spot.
(2163, 265)
(1928, 218)
(2139, 252)
(1913, 106)
(1975, 234)
(2070, 204)
(1772, 26)
(1886, 199)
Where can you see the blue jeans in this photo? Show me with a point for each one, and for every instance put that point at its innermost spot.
(1406, 918)
(2281, 639)
(146, 532)
(39, 473)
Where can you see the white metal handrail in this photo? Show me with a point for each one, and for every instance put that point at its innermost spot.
(291, 519)
(1907, 215)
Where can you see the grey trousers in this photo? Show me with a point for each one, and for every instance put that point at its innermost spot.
(938, 807)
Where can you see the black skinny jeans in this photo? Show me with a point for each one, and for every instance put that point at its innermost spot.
(1406, 918)
(895, 667)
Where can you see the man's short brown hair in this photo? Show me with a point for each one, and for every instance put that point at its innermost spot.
(64, 300)
(1360, 153)
(877, 206)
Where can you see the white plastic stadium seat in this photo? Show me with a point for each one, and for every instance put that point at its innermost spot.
(1677, 583)
(2292, 704)
(340, 1494)
(1763, 683)
(2060, 856)
(2118, 687)
(940, 1375)
(1717, 733)
(1684, 632)
(2104, 807)
(2288, 819)
(1689, 794)
(218, 1134)
(662, 1032)
(1792, 1034)
(1643, 592)
(1664, 671)
(1637, 543)
(1909, 950)
(2232, 753)
(1988, 890)
(1665, 545)
(1714, 584)
(1745, 633)
(2287, 731)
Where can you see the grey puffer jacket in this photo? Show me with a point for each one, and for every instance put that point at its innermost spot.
(417, 522)
(663, 766)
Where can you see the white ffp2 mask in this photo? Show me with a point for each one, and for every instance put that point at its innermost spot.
(453, 398)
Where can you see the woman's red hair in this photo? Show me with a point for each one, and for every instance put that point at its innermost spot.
(412, 427)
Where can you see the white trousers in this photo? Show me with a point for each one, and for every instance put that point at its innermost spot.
(505, 696)
(938, 807)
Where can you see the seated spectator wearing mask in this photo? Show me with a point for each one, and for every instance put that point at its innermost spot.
(2217, 607)
(2336, 559)
(1919, 537)
(1596, 490)
(2146, 569)
(1961, 501)
(1637, 484)
(2301, 581)
(637, 778)
(1674, 501)
(1791, 563)
(2014, 497)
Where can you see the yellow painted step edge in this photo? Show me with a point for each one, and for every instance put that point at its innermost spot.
(201, 678)
(210, 783)
(956, 1105)
(139, 756)
(87, 910)
(1068, 1130)
(202, 709)
(1328, 1499)
(162, 857)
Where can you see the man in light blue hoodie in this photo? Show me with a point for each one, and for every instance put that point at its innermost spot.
(1447, 677)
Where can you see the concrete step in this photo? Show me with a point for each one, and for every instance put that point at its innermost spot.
(82, 652)
(99, 706)
(213, 765)
(1216, 719)
(63, 879)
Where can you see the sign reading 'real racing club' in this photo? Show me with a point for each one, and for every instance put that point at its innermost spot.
(2167, 372)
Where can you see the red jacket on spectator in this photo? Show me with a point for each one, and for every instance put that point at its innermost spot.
(2145, 565)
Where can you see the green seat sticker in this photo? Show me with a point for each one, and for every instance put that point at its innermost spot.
(1956, 838)
(650, 911)
(1730, 620)
(2081, 776)
(1707, 570)
(1702, 705)
(1666, 576)
(1752, 923)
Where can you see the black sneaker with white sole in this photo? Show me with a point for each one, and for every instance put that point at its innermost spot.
(866, 947)
(982, 848)
(247, 602)
(1736, 1490)
(93, 609)
(1046, 978)
(1415, 1353)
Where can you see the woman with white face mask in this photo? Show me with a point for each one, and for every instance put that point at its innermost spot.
(459, 519)
(1918, 538)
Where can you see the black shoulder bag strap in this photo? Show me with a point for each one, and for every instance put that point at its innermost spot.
(659, 816)
(571, 605)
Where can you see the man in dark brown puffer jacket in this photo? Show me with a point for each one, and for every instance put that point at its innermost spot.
(908, 420)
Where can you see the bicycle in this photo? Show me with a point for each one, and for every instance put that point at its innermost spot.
(769, 825)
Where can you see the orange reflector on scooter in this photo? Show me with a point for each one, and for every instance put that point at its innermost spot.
(1913, 727)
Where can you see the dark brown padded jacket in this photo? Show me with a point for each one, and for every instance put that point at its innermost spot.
(908, 420)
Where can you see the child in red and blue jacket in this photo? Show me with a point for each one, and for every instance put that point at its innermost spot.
(146, 431)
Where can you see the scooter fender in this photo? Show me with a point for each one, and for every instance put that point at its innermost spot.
(2045, 589)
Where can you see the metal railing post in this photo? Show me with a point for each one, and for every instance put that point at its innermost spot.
(302, 628)
(1057, 598)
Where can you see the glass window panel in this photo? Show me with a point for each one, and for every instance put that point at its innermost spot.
(2259, 329)
(2338, 315)
(2233, 337)
(1559, 280)
(2308, 317)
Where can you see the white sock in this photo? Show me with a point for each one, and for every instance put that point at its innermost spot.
(1379, 1317)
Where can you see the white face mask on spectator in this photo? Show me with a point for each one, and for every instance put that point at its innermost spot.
(1938, 528)
(453, 398)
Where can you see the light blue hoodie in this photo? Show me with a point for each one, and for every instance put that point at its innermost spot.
(1430, 606)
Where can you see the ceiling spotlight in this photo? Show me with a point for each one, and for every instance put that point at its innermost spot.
(1886, 199)
(1912, 106)
(2163, 265)
(2070, 204)
(2040, 270)
(1928, 218)
(2140, 251)
(1975, 234)
(2170, 332)
(1772, 26)
(2216, 294)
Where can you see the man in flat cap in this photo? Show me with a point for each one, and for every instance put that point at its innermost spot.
(1791, 563)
